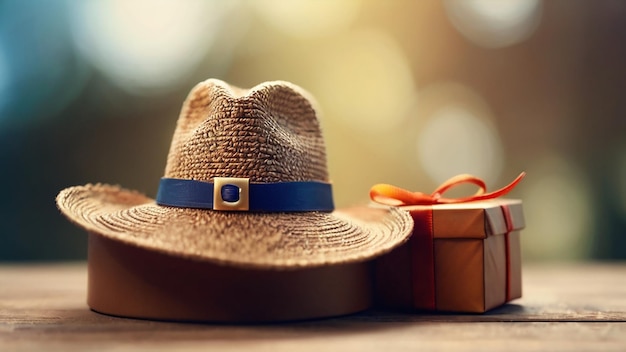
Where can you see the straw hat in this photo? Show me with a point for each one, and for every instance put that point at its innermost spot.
(246, 185)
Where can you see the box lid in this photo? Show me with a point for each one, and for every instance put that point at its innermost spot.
(473, 219)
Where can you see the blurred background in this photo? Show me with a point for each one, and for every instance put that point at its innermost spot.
(411, 93)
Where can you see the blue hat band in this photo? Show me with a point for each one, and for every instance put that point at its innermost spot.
(238, 194)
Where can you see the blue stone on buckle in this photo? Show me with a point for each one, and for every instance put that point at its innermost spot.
(231, 193)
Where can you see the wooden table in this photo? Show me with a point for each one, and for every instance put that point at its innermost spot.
(566, 307)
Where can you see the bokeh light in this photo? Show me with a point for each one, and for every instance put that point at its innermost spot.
(495, 23)
(308, 18)
(36, 59)
(147, 45)
(455, 141)
(364, 80)
(559, 215)
(457, 135)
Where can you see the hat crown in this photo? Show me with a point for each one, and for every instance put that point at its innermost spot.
(269, 133)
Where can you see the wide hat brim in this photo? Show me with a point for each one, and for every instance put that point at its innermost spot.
(241, 239)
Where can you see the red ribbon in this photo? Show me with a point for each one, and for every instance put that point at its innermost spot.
(508, 220)
(423, 260)
(396, 196)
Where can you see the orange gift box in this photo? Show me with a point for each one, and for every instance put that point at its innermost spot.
(461, 257)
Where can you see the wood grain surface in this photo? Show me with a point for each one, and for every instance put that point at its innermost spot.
(566, 307)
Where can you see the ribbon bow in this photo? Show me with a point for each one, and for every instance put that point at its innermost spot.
(396, 196)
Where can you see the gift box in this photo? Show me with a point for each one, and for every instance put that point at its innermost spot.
(462, 257)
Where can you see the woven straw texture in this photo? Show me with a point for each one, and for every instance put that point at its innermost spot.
(269, 133)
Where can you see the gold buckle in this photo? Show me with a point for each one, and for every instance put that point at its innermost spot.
(243, 184)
